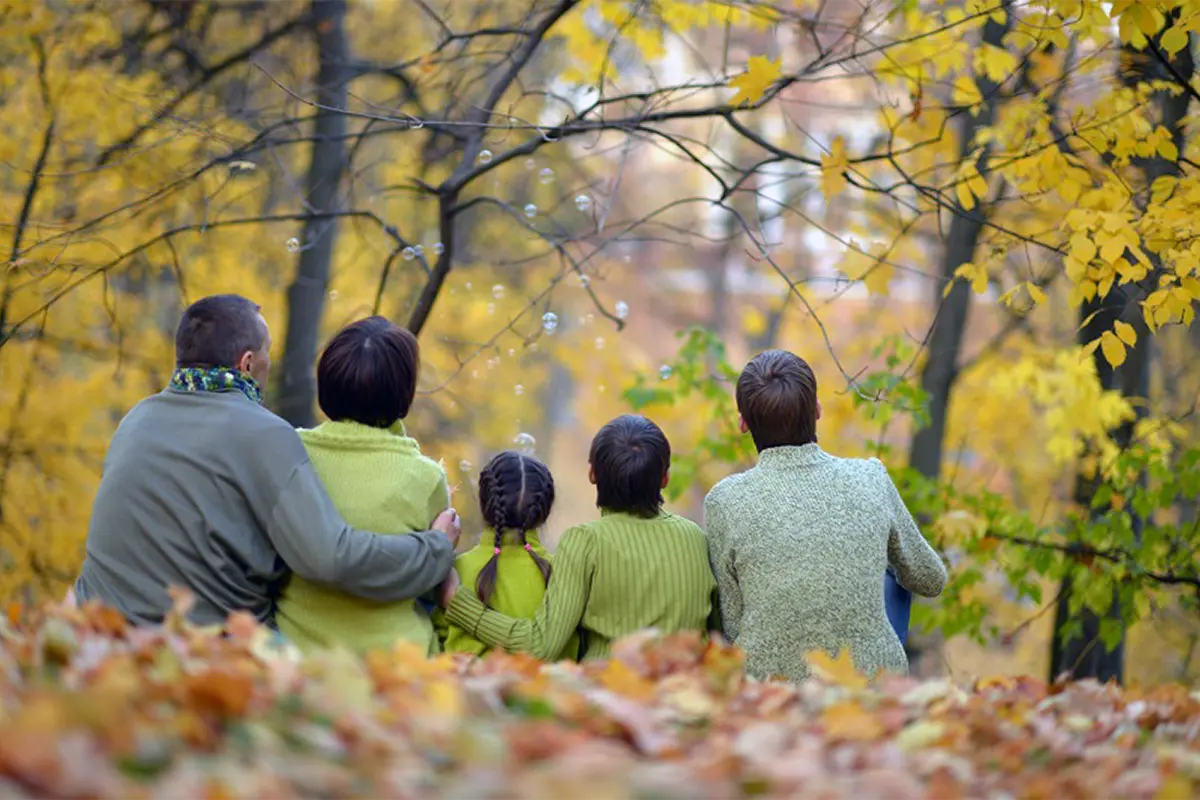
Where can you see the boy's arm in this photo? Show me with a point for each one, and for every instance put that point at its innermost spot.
(562, 607)
(720, 559)
(917, 565)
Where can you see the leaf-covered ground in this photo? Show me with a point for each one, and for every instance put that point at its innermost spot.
(91, 708)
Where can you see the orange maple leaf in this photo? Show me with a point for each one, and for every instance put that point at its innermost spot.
(839, 670)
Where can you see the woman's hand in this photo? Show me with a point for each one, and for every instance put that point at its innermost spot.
(448, 589)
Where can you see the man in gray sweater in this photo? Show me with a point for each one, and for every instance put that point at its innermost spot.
(206, 489)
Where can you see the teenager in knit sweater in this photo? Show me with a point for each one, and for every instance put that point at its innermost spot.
(799, 543)
(509, 569)
(376, 476)
(636, 567)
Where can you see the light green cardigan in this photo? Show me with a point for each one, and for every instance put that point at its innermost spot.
(379, 482)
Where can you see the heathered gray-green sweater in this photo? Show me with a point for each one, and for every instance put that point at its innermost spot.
(799, 545)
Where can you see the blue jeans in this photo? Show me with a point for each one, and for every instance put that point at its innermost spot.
(898, 602)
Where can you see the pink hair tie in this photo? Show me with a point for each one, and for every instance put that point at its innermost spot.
(496, 551)
(528, 547)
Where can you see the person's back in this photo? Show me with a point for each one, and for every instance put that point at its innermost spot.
(519, 587)
(379, 481)
(509, 569)
(377, 478)
(642, 573)
(801, 542)
(176, 507)
(205, 489)
(636, 567)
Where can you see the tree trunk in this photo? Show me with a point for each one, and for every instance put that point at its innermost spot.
(1085, 656)
(306, 295)
(945, 340)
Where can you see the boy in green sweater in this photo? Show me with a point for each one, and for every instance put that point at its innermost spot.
(636, 567)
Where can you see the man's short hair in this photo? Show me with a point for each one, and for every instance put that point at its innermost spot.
(368, 373)
(629, 457)
(217, 331)
(777, 398)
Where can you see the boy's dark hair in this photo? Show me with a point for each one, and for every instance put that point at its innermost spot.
(216, 331)
(777, 398)
(629, 458)
(368, 373)
(516, 493)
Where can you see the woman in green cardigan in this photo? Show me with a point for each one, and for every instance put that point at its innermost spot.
(636, 567)
(376, 476)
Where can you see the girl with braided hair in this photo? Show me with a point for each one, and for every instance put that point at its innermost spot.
(509, 569)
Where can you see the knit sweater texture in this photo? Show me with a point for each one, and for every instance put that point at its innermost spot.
(379, 481)
(799, 545)
(612, 577)
(517, 593)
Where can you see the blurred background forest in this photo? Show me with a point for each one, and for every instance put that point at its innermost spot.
(977, 220)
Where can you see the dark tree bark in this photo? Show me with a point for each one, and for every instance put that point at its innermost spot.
(1085, 656)
(945, 340)
(306, 295)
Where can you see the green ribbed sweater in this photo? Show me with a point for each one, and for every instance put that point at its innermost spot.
(379, 481)
(799, 545)
(518, 591)
(611, 577)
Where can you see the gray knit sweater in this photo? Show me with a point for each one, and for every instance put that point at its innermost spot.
(799, 545)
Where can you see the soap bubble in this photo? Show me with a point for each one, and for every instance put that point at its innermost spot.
(492, 362)
(464, 466)
(525, 442)
(533, 347)
(484, 157)
(439, 248)
(531, 211)
(665, 371)
(491, 308)
(333, 294)
(419, 250)
(546, 176)
(518, 390)
(468, 286)
(530, 163)
(408, 254)
(599, 342)
(498, 291)
(584, 281)
(583, 202)
(549, 322)
(511, 352)
(621, 309)
(293, 245)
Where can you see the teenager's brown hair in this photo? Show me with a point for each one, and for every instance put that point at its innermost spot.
(516, 493)
(777, 398)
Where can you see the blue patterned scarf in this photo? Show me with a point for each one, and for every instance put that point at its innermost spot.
(217, 379)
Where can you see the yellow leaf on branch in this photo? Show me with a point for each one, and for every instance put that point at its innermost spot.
(1125, 333)
(868, 267)
(1113, 349)
(833, 167)
(761, 72)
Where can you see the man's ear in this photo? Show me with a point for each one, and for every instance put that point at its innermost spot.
(666, 479)
(818, 409)
(244, 363)
(742, 423)
(592, 474)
